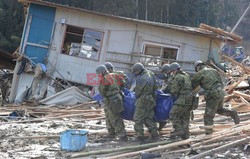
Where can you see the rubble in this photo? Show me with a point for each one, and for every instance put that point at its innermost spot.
(35, 130)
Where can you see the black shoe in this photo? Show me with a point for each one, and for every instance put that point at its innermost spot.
(154, 139)
(208, 131)
(109, 136)
(161, 125)
(123, 138)
(141, 139)
(234, 115)
(184, 137)
(176, 134)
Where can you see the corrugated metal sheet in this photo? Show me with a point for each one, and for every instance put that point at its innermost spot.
(191, 30)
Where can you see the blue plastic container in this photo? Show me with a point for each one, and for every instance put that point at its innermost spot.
(73, 140)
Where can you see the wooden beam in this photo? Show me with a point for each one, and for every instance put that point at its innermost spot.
(221, 148)
(239, 94)
(221, 32)
(246, 70)
(232, 87)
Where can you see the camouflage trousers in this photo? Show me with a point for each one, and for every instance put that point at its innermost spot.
(214, 104)
(180, 117)
(114, 122)
(144, 114)
(1, 98)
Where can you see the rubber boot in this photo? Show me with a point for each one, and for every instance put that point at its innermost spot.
(234, 115)
(208, 131)
(176, 134)
(140, 139)
(161, 125)
(123, 138)
(184, 136)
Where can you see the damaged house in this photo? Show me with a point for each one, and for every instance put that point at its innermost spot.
(72, 42)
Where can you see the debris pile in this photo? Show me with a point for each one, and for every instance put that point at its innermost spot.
(34, 131)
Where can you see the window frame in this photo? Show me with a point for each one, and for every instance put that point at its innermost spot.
(101, 42)
(161, 45)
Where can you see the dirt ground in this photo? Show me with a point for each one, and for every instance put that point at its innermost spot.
(49, 148)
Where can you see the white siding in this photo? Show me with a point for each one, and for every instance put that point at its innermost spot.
(119, 36)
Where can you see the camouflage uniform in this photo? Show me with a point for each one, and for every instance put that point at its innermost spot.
(109, 89)
(145, 103)
(181, 87)
(1, 98)
(123, 76)
(210, 80)
(167, 82)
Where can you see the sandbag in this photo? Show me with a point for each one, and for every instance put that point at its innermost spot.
(164, 104)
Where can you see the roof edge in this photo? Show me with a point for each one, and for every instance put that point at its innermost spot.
(190, 30)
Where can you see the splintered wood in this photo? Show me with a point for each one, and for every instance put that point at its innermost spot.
(226, 134)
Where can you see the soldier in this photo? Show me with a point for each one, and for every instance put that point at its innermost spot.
(180, 88)
(165, 89)
(120, 74)
(110, 90)
(1, 98)
(209, 79)
(145, 103)
(168, 78)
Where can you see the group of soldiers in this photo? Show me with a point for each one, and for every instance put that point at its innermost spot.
(179, 84)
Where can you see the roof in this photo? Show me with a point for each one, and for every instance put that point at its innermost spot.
(6, 60)
(190, 30)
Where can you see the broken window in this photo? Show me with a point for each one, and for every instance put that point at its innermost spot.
(155, 52)
(82, 42)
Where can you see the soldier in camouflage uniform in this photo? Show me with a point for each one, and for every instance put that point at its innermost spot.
(209, 79)
(181, 88)
(165, 89)
(120, 75)
(1, 98)
(145, 102)
(167, 78)
(110, 90)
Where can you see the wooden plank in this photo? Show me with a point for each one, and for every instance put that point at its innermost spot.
(224, 147)
(244, 100)
(33, 137)
(239, 94)
(221, 32)
(232, 87)
(246, 70)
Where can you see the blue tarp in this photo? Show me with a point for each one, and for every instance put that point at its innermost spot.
(164, 104)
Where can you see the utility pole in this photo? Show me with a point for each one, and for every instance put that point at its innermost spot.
(243, 15)
(146, 12)
(237, 24)
(137, 10)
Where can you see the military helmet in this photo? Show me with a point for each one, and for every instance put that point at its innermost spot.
(198, 63)
(108, 65)
(165, 68)
(101, 69)
(174, 66)
(137, 67)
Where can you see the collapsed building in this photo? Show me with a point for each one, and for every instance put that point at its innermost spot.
(71, 42)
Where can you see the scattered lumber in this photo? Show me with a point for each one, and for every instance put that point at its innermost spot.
(221, 32)
(220, 148)
(239, 94)
(233, 86)
(33, 137)
(163, 147)
(246, 70)
(137, 147)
